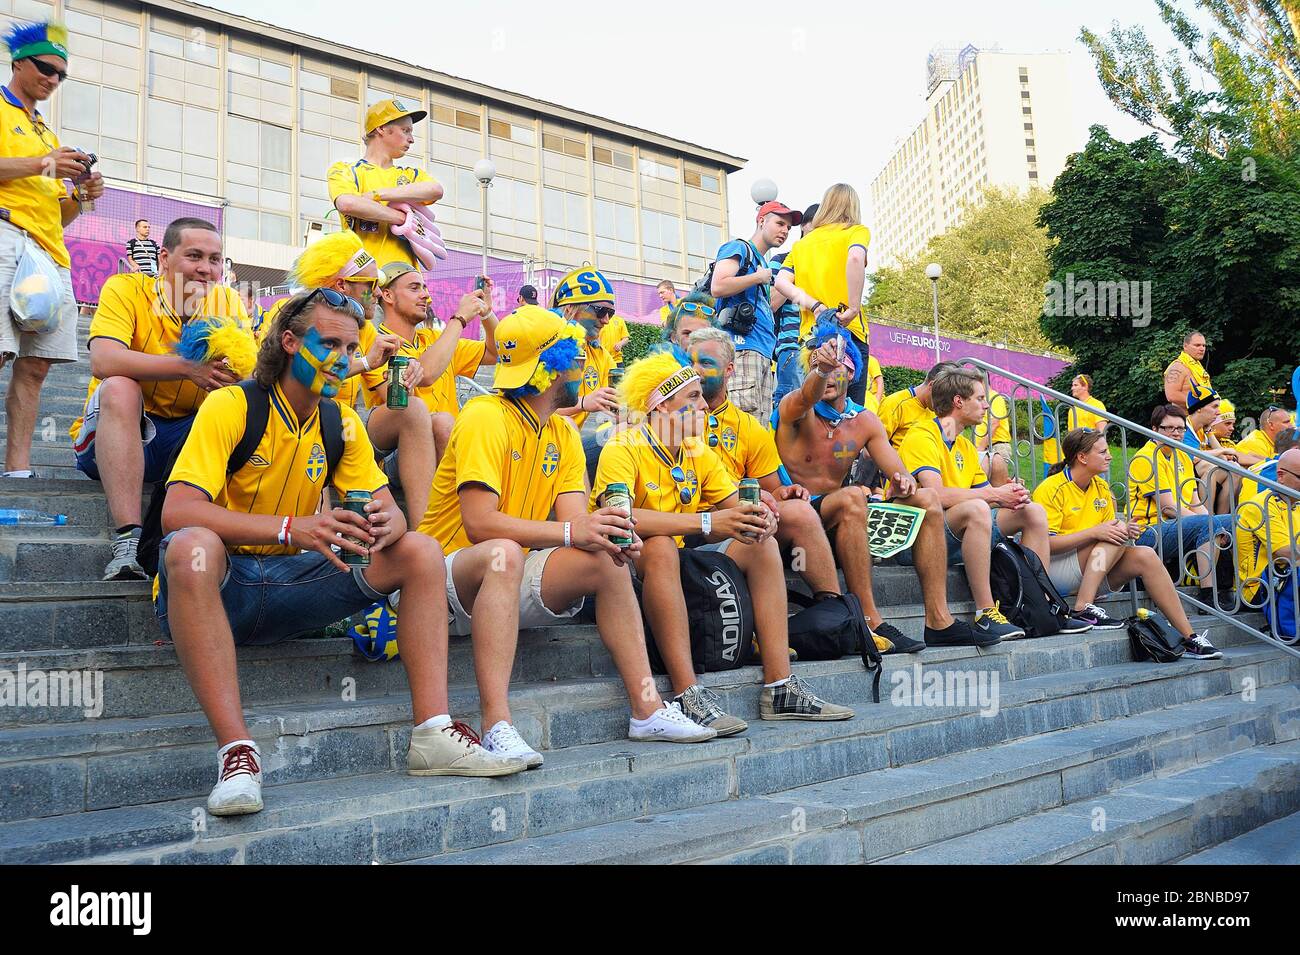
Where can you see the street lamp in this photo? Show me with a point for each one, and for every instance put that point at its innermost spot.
(485, 171)
(932, 272)
(763, 190)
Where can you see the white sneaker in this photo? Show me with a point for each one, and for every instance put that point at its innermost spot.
(239, 781)
(504, 740)
(670, 725)
(453, 750)
(124, 565)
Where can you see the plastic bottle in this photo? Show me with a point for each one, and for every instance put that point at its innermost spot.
(27, 516)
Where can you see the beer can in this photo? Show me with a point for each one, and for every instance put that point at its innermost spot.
(749, 491)
(617, 495)
(615, 376)
(398, 395)
(356, 501)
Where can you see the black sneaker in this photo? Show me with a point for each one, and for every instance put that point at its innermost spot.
(897, 640)
(991, 620)
(1077, 622)
(1199, 647)
(1097, 617)
(959, 634)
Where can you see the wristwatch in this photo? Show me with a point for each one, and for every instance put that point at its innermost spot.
(706, 523)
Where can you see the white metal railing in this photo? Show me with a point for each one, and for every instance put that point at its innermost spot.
(1225, 607)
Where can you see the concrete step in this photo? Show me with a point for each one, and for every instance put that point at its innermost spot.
(58, 615)
(392, 817)
(1150, 822)
(863, 817)
(128, 761)
(71, 553)
(80, 500)
(1274, 843)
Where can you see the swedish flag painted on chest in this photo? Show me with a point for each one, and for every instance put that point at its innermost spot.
(550, 459)
(315, 463)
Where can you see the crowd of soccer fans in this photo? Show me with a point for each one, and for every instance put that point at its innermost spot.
(758, 429)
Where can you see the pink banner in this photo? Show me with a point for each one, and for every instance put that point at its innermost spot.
(911, 347)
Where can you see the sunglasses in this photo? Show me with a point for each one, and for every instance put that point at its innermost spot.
(49, 70)
(708, 311)
(683, 490)
(713, 438)
(600, 311)
(334, 300)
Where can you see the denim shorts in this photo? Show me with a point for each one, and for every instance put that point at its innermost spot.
(270, 599)
(160, 436)
(954, 543)
(1196, 530)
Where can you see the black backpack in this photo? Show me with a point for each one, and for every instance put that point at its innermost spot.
(1152, 638)
(831, 626)
(718, 609)
(1024, 592)
(259, 411)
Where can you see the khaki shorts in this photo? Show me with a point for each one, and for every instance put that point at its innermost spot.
(1066, 575)
(532, 612)
(753, 384)
(58, 345)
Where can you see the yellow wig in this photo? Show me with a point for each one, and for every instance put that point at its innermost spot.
(644, 376)
(322, 261)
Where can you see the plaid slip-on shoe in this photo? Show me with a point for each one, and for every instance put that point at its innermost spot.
(795, 700)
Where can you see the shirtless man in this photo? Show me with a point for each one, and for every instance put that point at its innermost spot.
(819, 434)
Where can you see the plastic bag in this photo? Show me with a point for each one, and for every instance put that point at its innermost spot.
(36, 296)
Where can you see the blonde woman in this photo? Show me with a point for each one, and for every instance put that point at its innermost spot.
(1081, 388)
(826, 270)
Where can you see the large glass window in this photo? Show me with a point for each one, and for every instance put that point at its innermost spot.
(565, 218)
(615, 229)
(513, 206)
(661, 238)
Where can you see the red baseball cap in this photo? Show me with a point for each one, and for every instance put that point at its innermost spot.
(780, 209)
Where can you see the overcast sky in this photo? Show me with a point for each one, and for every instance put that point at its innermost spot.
(809, 92)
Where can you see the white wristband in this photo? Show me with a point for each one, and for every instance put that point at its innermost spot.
(706, 523)
(283, 536)
(365, 362)
(568, 533)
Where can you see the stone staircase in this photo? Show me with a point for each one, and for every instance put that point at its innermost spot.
(1088, 756)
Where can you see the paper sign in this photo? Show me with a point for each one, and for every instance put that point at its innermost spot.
(892, 528)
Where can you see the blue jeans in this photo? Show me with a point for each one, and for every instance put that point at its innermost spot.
(160, 437)
(276, 598)
(1196, 530)
(789, 376)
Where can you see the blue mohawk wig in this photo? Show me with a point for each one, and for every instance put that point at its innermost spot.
(826, 331)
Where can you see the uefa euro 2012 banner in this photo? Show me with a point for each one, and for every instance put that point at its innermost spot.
(97, 240)
(909, 346)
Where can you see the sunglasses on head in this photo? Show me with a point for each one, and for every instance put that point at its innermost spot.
(708, 311)
(334, 300)
(49, 70)
(683, 490)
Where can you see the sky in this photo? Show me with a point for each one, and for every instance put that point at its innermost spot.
(810, 93)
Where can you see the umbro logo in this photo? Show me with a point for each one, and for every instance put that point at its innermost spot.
(516, 456)
(651, 487)
(258, 461)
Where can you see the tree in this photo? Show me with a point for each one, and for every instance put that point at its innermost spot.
(1252, 53)
(1219, 241)
(994, 266)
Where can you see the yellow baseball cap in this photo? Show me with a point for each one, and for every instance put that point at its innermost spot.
(387, 110)
(521, 337)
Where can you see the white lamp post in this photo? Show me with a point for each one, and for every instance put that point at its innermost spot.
(763, 190)
(932, 272)
(485, 171)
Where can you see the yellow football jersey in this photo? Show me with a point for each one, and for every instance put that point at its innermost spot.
(899, 411)
(1001, 414)
(747, 449)
(500, 444)
(134, 310)
(286, 473)
(439, 395)
(639, 459)
(818, 262)
(1086, 419)
(1257, 442)
(595, 375)
(1264, 527)
(1147, 481)
(1071, 509)
(32, 201)
(956, 462)
(615, 331)
(363, 178)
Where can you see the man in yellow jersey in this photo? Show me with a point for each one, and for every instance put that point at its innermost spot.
(679, 487)
(513, 463)
(975, 513)
(361, 191)
(1268, 535)
(143, 396)
(1187, 370)
(414, 438)
(902, 409)
(339, 261)
(267, 572)
(585, 296)
(820, 432)
(1259, 445)
(1288, 438)
(614, 338)
(667, 293)
(36, 198)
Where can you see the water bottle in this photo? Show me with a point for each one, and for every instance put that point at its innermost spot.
(26, 516)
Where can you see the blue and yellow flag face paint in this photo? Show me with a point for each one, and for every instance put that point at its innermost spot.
(315, 361)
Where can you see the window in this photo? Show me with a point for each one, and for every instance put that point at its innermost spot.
(701, 180)
(513, 206)
(1025, 110)
(89, 109)
(1029, 127)
(565, 145)
(664, 169)
(1029, 142)
(467, 120)
(660, 238)
(258, 84)
(1024, 94)
(512, 132)
(564, 214)
(1031, 158)
(258, 176)
(703, 239)
(615, 229)
(181, 146)
(1033, 174)
(608, 156)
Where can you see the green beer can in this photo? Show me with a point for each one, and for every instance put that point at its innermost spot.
(398, 395)
(617, 495)
(749, 491)
(356, 501)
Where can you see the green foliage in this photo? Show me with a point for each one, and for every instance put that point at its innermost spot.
(897, 377)
(641, 336)
(994, 266)
(1219, 241)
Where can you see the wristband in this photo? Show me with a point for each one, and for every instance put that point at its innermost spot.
(823, 374)
(283, 537)
(706, 523)
(568, 533)
(464, 324)
(365, 363)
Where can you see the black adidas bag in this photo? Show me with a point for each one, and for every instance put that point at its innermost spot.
(718, 611)
(833, 626)
(1024, 592)
(259, 411)
(1152, 638)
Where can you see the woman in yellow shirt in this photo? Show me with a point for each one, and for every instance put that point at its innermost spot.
(1081, 388)
(1089, 544)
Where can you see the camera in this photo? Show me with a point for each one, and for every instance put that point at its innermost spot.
(738, 319)
(83, 196)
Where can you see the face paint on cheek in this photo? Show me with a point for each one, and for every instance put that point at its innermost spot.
(314, 359)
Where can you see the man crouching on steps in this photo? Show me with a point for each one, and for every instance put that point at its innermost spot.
(240, 566)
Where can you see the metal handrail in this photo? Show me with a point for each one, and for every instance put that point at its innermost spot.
(1214, 463)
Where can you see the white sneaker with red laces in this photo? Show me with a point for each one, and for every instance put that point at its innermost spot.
(239, 780)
